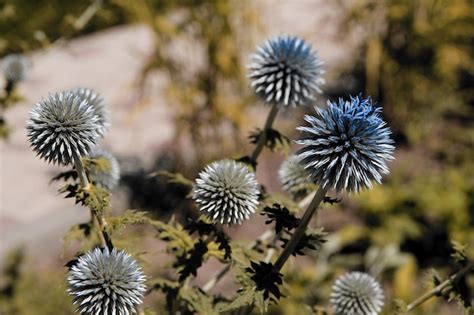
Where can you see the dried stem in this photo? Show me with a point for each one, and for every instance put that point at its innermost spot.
(439, 288)
(296, 237)
(263, 136)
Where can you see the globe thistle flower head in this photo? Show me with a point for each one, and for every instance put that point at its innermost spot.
(292, 174)
(347, 145)
(357, 293)
(106, 281)
(227, 192)
(15, 67)
(286, 71)
(62, 128)
(97, 102)
(103, 168)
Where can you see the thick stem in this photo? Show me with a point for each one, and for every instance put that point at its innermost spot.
(439, 288)
(263, 136)
(296, 237)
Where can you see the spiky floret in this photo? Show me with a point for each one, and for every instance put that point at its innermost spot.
(347, 145)
(103, 168)
(357, 293)
(98, 103)
(62, 128)
(14, 67)
(227, 192)
(293, 176)
(286, 71)
(106, 282)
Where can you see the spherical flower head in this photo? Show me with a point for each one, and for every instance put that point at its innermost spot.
(293, 176)
(106, 282)
(14, 67)
(227, 192)
(357, 293)
(286, 71)
(97, 102)
(347, 145)
(103, 168)
(62, 128)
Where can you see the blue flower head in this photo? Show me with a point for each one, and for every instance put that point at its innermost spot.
(346, 145)
(286, 71)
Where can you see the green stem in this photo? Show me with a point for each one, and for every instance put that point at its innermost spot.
(439, 288)
(296, 237)
(263, 136)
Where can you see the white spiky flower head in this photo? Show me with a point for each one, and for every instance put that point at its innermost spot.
(357, 293)
(292, 174)
(347, 145)
(14, 67)
(227, 192)
(286, 71)
(98, 103)
(104, 281)
(103, 168)
(62, 128)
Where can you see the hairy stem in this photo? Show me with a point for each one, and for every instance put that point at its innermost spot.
(263, 136)
(296, 237)
(97, 217)
(439, 288)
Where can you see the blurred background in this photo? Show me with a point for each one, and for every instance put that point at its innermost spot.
(173, 75)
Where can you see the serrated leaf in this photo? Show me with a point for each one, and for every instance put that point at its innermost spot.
(460, 252)
(198, 301)
(173, 178)
(72, 174)
(400, 307)
(245, 297)
(310, 240)
(189, 262)
(281, 216)
(274, 140)
(174, 234)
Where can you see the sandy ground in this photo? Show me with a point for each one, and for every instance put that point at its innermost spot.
(31, 212)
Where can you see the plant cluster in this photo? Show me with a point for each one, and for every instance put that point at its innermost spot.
(345, 147)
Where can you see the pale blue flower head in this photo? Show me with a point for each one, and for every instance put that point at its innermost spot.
(103, 168)
(98, 104)
(14, 67)
(227, 192)
(104, 281)
(357, 293)
(347, 145)
(286, 71)
(63, 128)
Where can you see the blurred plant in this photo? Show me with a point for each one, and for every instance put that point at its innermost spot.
(293, 176)
(357, 293)
(14, 68)
(102, 168)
